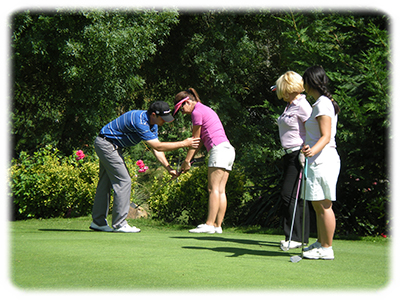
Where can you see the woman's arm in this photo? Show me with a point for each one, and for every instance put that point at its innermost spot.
(191, 152)
(324, 123)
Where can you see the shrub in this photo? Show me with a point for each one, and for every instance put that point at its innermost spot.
(185, 200)
(47, 185)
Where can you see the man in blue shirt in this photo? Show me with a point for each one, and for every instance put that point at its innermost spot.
(128, 130)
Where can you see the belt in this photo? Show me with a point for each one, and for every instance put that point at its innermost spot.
(107, 139)
(290, 150)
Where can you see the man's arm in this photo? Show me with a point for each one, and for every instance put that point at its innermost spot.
(163, 160)
(169, 146)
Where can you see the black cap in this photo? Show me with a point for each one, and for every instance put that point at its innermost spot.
(161, 108)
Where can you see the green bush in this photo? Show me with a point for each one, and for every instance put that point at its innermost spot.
(47, 185)
(185, 200)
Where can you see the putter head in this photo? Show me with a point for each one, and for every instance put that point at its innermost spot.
(296, 259)
(284, 248)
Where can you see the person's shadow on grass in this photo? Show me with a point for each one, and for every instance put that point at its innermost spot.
(236, 252)
(65, 230)
(230, 240)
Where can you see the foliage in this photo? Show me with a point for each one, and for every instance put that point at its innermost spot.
(265, 208)
(47, 185)
(75, 71)
(185, 200)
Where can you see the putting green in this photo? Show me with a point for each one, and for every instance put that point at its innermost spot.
(65, 254)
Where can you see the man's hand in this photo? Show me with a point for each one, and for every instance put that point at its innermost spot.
(173, 173)
(192, 142)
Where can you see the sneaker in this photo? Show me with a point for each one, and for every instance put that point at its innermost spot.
(203, 228)
(319, 253)
(104, 228)
(218, 230)
(293, 245)
(312, 246)
(127, 229)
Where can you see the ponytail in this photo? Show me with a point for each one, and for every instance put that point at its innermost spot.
(190, 92)
(336, 106)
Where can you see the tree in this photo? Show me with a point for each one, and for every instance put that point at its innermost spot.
(75, 71)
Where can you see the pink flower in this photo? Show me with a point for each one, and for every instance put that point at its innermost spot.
(142, 167)
(79, 155)
(383, 235)
(140, 163)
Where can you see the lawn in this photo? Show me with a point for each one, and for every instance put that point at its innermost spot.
(64, 254)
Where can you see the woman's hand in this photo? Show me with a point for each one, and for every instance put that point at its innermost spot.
(185, 166)
(308, 152)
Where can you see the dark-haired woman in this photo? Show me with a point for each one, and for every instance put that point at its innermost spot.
(323, 160)
(207, 126)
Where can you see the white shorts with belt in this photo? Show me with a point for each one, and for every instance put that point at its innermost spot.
(222, 156)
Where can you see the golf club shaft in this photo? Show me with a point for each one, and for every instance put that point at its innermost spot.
(295, 209)
(304, 206)
(297, 258)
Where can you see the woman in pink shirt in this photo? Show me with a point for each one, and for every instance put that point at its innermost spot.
(207, 126)
(292, 133)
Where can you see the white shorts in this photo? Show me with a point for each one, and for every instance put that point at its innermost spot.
(222, 156)
(322, 179)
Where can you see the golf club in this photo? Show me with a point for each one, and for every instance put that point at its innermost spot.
(294, 213)
(297, 258)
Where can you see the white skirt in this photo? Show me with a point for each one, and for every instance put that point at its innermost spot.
(322, 179)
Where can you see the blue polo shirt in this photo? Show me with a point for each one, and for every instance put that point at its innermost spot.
(130, 128)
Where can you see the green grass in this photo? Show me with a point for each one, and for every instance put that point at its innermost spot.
(65, 254)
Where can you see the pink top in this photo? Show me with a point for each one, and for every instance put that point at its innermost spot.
(212, 132)
(292, 131)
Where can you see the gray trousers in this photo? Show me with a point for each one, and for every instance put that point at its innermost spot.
(113, 174)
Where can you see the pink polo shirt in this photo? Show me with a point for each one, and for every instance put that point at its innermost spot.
(292, 131)
(212, 132)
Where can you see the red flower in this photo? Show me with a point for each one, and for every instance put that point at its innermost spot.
(79, 155)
